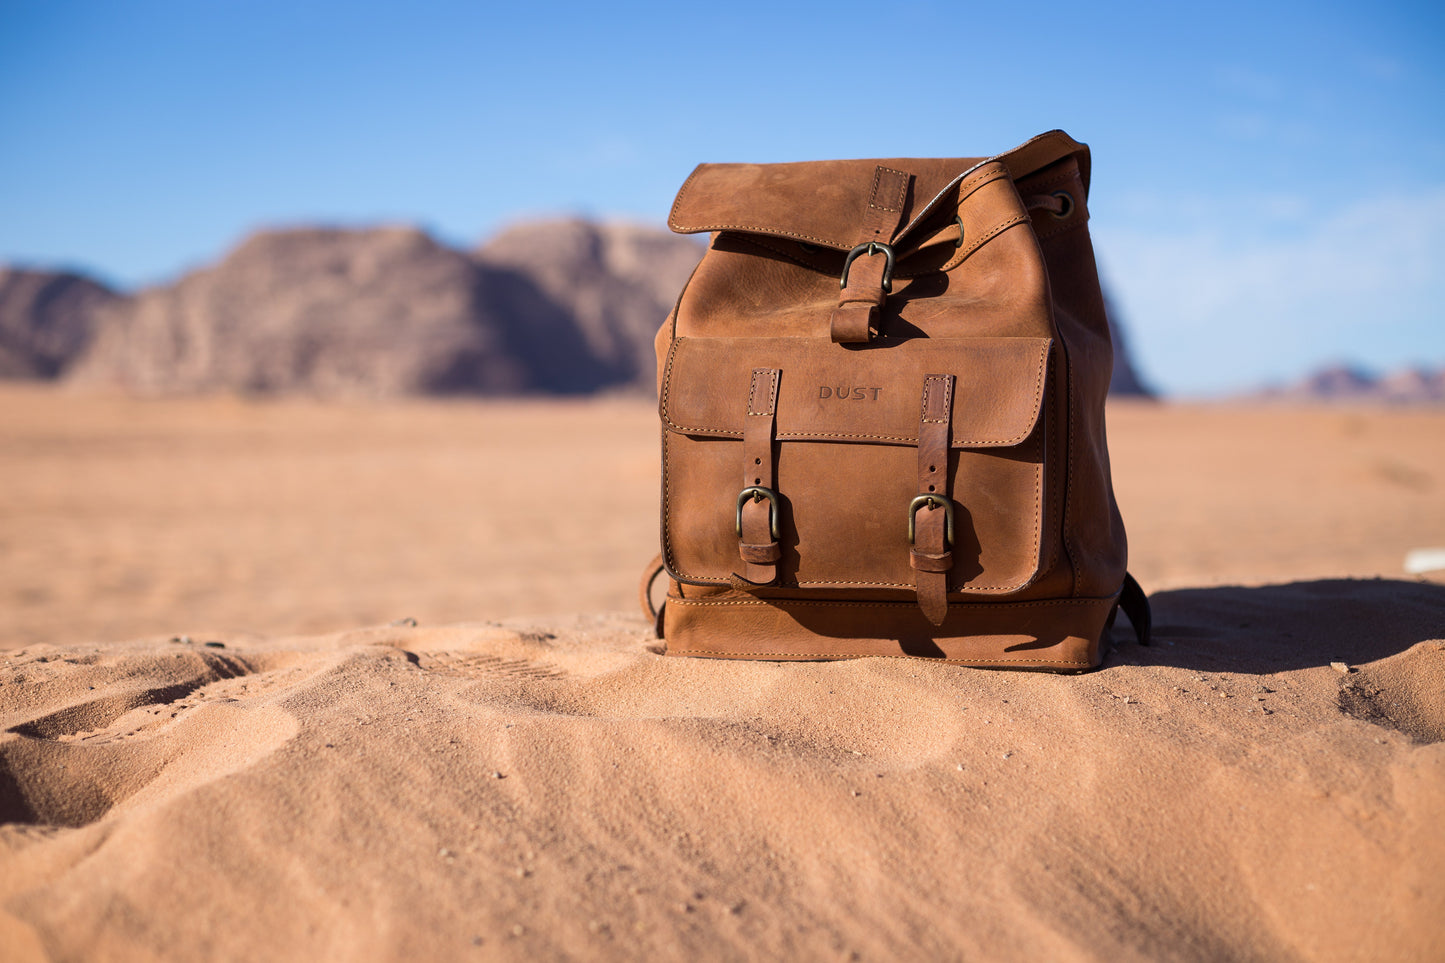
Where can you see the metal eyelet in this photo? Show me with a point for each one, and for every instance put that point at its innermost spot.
(959, 220)
(1067, 200)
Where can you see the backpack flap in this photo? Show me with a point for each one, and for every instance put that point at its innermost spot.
(960, 263)
(848, 457)
(817, 202)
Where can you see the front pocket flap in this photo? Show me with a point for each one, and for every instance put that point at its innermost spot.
(870, 394)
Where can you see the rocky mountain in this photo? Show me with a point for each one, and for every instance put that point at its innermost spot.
(383, 311)
(560, 308)
(1125, 381)
(551, 307)
(378, 312)
(1347, 383)
(617, 281)
(46, 320)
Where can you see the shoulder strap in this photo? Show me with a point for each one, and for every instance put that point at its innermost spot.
(1032, 155)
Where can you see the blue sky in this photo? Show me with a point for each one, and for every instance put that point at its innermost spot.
(1269, 180)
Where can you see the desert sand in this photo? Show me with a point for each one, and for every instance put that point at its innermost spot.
(295, 681)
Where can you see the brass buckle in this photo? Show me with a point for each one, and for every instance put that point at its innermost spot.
(757, 493)
(871, 247)
(933, 501)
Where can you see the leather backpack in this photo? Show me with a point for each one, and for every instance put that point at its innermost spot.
(882, 402)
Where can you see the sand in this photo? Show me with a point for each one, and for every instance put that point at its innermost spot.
(216, 746)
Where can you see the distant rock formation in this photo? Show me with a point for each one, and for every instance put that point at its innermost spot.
(1125, 381)
(383, 311)
(1410, 386)
(545, 307)
(46, 320)
(617, 281)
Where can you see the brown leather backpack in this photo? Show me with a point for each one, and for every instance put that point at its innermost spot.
(882, 400)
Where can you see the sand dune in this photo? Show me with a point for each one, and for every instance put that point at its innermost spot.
(544, 785)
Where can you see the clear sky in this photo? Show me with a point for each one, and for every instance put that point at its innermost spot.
(1269, 179)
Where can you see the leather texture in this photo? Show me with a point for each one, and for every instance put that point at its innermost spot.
(911, 463)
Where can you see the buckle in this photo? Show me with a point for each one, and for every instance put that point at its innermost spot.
(933, 501)
(757, 493)
(871, 247)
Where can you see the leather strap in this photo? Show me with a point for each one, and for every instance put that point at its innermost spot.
(856, 315)
(757, 547)
(1025, 159)
(644, 594)
(930, 554)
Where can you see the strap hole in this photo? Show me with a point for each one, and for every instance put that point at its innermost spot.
(757, 481)
(1067, 200)
(757, 461)
(930, 488)
(933, 468)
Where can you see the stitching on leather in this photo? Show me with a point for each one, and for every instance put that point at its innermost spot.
(663, 395)
(835, 244)
(984, 176)
(667, 488)
(1072, 224)
(677, 203)
(1069, 395)
(1061, 491)
(753, 228)
(666, 499)
(835, 583)
(1024, 582)
(848, 603)
(666, 481)
(786, 255)
(982, 179)
(677, 226)
(681, 228)
(772, 384)
(928, 384)
(1053, 495)
(901, 439)
(965, 253)
(1038, 526)
(1029, 578)
(1060, 178)
(835, 657)
(982, 172)
(877, 182)
(812, 435)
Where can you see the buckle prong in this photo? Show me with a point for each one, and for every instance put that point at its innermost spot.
(871, 247)
(932, 501)
(757, 493)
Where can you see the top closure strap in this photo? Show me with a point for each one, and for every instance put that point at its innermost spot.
(866, 281)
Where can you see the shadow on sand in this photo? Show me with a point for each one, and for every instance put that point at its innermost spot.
(1275, 628)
